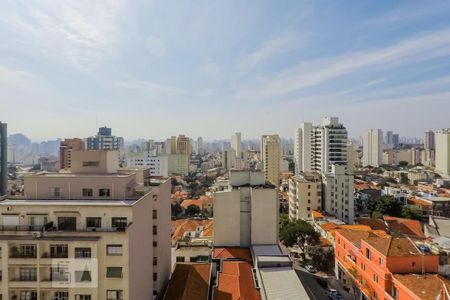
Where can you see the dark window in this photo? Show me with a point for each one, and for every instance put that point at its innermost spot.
(59, 272)
(155, 214)
(180, 258)
(120, 222)
(82, 252)
(67, 223)
(59, 251)
(114, 272)
(27, 274)
(155, 261)
(155, 244)
(28, 295)
(82, 297)
(88, 193)
(155, 276)
(94, 222)
(83, 276)
(91, 163)
(103, 193)
(155, 229)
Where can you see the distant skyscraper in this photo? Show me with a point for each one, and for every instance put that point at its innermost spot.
(200, 149)
(3, 159)
(236, 143)
(443, 152)
(428, 142)
(271, 157)
(65, 151)
(373, 147)
(317, 148)
(389, 139)
(104, 140)
(395, 140)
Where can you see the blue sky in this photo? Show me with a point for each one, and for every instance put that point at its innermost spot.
(153, 69)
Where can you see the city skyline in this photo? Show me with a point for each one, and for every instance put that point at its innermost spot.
(150, 69)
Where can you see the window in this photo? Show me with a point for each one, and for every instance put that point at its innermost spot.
(37, 222)
(93, 222)
(103, 193)
(368, 255)
(82, 252)
(114, 272)
(114, 295)
(28, 295)
(375, 278)
(413, 264)
(91, 163)
(114, 250)
(155, 276)
(67, 223)
(82, 297)
(180, 258)
(83, 276)
(27, 274)
(193, 259)
(309, 194)
(11, 220)
(25, 251)
(155, 244)
(155, 229)
(344, 246)
(60, 296)
(59, 272)
(59, 251)
(363, 267)
(380, 261)
(88, 192)
(55, 192)
(155, 214)
(120, 222)
(394, 293)
(155, 261)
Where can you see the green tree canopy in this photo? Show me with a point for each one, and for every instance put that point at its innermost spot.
(385, 205)
(192, 210)
(411, 213)
(299, 233)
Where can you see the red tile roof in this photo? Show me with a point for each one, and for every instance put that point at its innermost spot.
(233, 252)
(405, 226)
(375, 224)
(189, 281)
(425, 287)
(184, 225)
(393, 246)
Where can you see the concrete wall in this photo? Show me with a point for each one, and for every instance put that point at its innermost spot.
(227, 218)
(95, 162)
(264, 216)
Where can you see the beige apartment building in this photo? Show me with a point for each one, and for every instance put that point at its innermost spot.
(271, 157)
(245, 211)
(65, 151)
(305, 195)
(95, 233)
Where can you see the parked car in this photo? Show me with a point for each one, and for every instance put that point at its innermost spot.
(333, 294)
(310, 269)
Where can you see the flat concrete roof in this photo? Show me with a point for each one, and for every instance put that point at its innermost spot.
(282, 283)
(48, 238)
(55, 202)
(266, 250)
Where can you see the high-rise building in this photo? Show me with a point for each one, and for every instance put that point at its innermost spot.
(442, 158)
(65, 151)
(236, 144)
(337, 193)
(200, 146)
(395, 140)
(305, 195)
(373, 147)
(389, 140)
(183, 145)
(104, 140)
(3, 159)
(96, 233)
(245, 211)
(179, 150)
(228, 159)
(158, 165)
(429, 142)
(271, 157)
(316, 148)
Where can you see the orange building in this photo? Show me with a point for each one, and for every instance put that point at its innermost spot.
(383, 267)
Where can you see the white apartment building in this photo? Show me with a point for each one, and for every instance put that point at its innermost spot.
(158, 165)
(442, 158)
(228, 158)
(91, 234)
(271, 157)
(316, 148)
(337, 193)
(236, 143)
(373, 147)
(305, 195)
(245, 211)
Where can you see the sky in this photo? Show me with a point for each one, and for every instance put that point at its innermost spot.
(152, 69)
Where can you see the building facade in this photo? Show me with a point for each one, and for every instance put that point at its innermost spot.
(95, 233)
(305, 195)
(443, 152)
(236, 144)
(245, 211)
(158, 165)
(271, 157)
(316, 148)
(3, 159)
(104, 140)
(373, 148)
(65, 151)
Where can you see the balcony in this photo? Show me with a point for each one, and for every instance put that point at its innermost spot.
(21, 227)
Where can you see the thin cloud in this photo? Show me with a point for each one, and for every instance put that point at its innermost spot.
(304, 75)
(148, 87)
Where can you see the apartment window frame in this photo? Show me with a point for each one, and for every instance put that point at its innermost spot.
(55, 192)
(87, 192)
(83, 276)
(60, 295)
(83, 297)
(119, 222)
(155, 230)
(28, 295)
(67, 223)
(114, 272)
(155, 214)
(28, 250)
(28, 274)
(83, 252)
(93, 222)
(180, 259)
(113, 250)
(59, 251)
(104, 192)
(114, 294)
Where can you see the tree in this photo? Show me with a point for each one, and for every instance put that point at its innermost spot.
(176, 209)
(402, 164)
(385, 205)
(299, 233)
(411, 213)
(192, 210)
(323, 260)
(284, 220)
(404, 178)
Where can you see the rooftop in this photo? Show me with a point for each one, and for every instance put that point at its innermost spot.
(189, 281)
(404, 226)
(55, 202)
(425, 287)
(393, 246)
